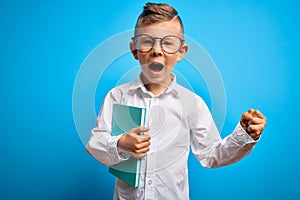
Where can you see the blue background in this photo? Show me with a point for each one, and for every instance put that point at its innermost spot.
(255, 45)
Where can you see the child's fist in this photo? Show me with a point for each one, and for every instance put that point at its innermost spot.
(135, 144)
(253, 122)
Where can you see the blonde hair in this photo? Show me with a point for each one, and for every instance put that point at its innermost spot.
(157, 12)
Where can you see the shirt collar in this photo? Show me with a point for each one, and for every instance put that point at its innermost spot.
(138, 83)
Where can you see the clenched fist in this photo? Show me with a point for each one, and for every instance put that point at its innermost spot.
(253, 122)
(134, 144)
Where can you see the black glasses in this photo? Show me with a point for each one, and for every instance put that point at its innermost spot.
(170, 44)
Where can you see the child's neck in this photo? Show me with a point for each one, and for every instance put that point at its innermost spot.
(157, 88)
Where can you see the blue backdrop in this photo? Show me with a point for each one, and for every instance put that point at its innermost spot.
(254, 44)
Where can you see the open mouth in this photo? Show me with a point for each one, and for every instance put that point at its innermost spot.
(156, 67)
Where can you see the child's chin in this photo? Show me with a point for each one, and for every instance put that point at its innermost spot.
(155, 77)
(157, 80)
(155, 74)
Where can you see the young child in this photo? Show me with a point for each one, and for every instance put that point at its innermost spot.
(177, 119)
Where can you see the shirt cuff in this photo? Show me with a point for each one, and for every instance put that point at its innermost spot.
(242, 136)
(121, 154)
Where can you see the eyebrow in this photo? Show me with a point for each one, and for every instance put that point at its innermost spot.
(157, 37)
(154, 33)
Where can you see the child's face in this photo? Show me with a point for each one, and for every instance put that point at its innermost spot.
(157, 62)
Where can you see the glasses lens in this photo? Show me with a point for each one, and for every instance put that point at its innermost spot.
(144, 43)
(171, 44)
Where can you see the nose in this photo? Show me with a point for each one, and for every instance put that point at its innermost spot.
(156, 49)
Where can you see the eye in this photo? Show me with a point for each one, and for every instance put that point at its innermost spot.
(146, 41)
(168, 43)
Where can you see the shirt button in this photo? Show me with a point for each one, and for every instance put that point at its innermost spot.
(149, 182)
(141, 192)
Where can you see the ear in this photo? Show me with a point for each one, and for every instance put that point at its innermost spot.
(133, 50)
(181, 53)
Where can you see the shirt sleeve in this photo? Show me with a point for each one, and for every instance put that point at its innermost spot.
(102, 145)
(210, 149)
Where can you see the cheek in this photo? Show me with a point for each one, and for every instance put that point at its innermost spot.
(171, 60)
(142, 57)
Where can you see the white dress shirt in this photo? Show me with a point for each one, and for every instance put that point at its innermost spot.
(178, 120)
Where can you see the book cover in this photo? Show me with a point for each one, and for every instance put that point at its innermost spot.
(125, 118)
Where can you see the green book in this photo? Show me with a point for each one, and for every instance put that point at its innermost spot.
(125, 118)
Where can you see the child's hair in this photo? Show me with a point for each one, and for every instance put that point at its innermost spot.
(157, 12)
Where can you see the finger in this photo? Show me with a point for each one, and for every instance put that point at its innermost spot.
(251, 111)
(256, 120)
(246, 117)
(255, 128)
(142, 145)
(137, 155)
(254, 136)
(139, 129)
(259, 114)
(256, 113)
(140, 156)
(143, 150)
(144, 138)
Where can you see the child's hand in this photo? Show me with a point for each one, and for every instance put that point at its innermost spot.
(135, 144)
(253, 122)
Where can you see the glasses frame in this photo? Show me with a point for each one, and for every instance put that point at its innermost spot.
(160, 42)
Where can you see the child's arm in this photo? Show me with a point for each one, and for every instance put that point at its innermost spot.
(102, 145)
(211, 150)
